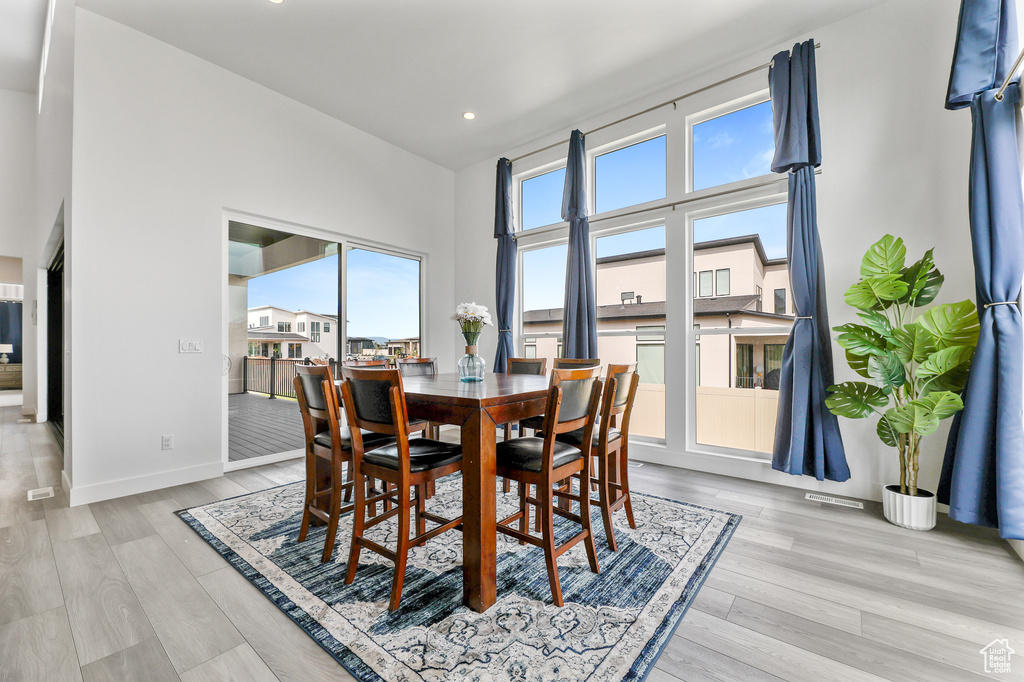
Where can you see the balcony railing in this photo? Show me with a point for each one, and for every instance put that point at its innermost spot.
(275, 376)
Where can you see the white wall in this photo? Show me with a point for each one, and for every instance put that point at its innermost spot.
(164, 143)
(17, 177)
(894, 161)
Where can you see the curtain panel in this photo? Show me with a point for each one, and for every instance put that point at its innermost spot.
(579, 327)
(807, 437)
(982, 477)
(505, 286)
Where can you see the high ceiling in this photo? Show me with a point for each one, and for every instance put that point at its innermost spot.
(21, 43)
(406, 70)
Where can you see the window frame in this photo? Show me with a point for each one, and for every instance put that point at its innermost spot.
(775, 301)
(710, 282)
(718, 281)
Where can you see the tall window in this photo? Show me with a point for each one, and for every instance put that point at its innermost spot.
(542, 199)
(736, 146)
(722, 282)
(630, 175)
(543, 287)
(707, 283)
(383, 296)
(294, 350)
(780, 301)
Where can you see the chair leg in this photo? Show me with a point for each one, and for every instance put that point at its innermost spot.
(506, 485)
(536, 518)
(337, 485)
(524, 508)
(604, 493)
(548, 536)
(588, 524)
(358, 519)
(421, 509)
(624, 482)
(310, 491)
(348, 479)
(402, 554)
(369, 493)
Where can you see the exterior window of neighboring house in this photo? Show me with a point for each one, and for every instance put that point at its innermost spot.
(327, 327)
(772, 363)
(294, 350)
(542, 199)
(696, 368)
(300, 327)
(758, 292)
(695, 285)
(559, 353)
(707, 283)
(254, 349)
(265, 321)
(314, 332)
(529, 348)
(284, 326)
(650, 354)
(744, 365)
(780, 301)
(722, 282)
(630, 175)
(277, 350)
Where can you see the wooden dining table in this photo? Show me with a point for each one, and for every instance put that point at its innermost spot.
(479, 408)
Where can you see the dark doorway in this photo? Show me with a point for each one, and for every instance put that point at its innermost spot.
(55, 346)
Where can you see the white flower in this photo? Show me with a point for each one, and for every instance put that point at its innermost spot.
(471, 312)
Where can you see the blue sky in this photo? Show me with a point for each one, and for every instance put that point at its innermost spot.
(383, 290)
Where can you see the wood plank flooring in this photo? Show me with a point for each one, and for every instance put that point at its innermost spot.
(259, 426)
(122, 590)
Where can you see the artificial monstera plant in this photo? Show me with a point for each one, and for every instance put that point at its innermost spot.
(915, 358)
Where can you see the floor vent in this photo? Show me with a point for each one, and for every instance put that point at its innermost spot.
(828, 499)
(40, 494)
(636, 465)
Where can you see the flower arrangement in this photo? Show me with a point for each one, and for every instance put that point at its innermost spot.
(472, 318)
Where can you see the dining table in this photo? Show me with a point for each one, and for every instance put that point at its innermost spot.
(479, 408)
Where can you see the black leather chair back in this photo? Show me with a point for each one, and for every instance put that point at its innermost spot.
(526, 366)
(312, 378)
(418, 368)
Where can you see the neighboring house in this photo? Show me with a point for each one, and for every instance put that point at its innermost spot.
(358, 345)
(284, 333)
(404, 348)
(735, 285)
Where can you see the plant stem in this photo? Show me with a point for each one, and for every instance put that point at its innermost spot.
(903, 463)
(915, 451)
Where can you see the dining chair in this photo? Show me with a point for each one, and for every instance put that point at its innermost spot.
(328, 440)
(572, 404)
(610, 446)
(375, 401)
(364, 363)
(536, 366)
(535, 423)
(421, 367)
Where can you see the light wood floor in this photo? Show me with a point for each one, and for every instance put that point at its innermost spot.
(122, 590)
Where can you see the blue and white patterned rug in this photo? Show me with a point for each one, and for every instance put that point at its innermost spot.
(613, 626)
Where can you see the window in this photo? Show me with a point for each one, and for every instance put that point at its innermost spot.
(284, 326)
(650, 355)
(543, 287)
(265, 321)
(529, 348)
(327, 327)
(780, 301)
(707, 283)
(630, 175)
(300, 327)
(542, 199)
(722, 282)
(744, 365)
(277, 350)
(383, 297)
(254, 349)
(295, 350)
(733, 147)
(772, 365)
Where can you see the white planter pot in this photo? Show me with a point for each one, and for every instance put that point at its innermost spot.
(913, 512)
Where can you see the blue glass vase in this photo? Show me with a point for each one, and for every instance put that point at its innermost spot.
(471, 366)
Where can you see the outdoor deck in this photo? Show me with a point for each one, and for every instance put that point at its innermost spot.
(260, 426)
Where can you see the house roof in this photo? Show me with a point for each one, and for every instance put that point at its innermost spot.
(260, 335)
(702, 246)
(732, 305)
(604, 312)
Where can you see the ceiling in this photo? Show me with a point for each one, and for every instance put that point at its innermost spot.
(21, 43)
(406, 70)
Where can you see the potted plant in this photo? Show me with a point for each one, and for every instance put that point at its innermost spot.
(916, 359)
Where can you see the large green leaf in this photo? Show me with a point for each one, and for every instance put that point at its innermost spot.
(887, 433)
(858, 363)
(887, 371)
(913, 343)
(860, 340)
(945, 370)
(855, 399)
(912, 417)
(924, 281)
(885, 257)
(942, 404)
(952, 324)
(875, 292)
(877, 322)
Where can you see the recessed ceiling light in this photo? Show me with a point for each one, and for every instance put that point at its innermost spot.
(469, 116)
(277, 2)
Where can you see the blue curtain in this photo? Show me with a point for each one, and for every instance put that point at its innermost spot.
(10, 327)
(807, 438)
(505, 287)
(983, 471)
(579, 327)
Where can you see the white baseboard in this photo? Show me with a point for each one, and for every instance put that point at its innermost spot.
(265, 459)
(109, 490)
(65, 482)
(1018, 547)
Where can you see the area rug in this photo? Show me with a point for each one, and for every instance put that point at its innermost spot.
(613, 625)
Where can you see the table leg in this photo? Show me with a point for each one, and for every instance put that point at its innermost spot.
(479, 510)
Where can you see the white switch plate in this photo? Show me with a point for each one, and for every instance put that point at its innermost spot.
(190, 345)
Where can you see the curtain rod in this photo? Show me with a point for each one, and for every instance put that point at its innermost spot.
(664, 104)
(1006, 83)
